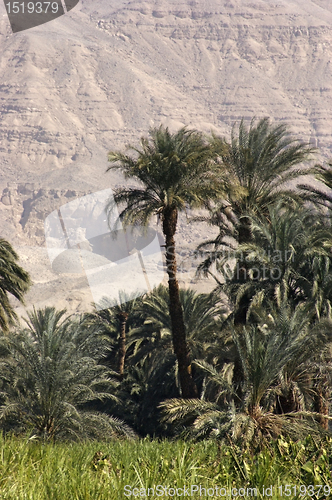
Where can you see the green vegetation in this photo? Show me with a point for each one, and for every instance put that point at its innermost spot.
(263, 369)
(243, 374)
(49, 374)
(100, 471)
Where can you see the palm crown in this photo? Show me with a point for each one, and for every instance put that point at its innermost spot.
(174, 170)
(13, 280)
(259, 161)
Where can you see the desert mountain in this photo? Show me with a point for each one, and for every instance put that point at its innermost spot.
(100, 76)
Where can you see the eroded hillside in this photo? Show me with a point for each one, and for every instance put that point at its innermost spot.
(100, 76)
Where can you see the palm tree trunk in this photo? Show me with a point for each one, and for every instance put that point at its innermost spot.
(255, 411)
(123, 316)
(245, 236)
(188, 386)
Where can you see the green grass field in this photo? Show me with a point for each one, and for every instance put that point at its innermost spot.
(100, 471)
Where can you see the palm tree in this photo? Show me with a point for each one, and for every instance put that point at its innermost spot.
(290, 251)
(201, 315)
(275, 357)
(260, 161)
(290, 246)
(13, 280)
(147, 383)
(173, 171)
(112, 319)
(152, 374)
(303, 271)
(319, 194)
(50, 376)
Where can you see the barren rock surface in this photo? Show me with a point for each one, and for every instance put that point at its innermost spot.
(100, 76)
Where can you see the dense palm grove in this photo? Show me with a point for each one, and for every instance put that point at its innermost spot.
(248, 362)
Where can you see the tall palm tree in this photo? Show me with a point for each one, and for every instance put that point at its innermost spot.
(13, 280)
(174, 171)
(260, 161)
(322, 197)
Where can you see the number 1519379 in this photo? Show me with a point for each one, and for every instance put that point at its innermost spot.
(32, 7)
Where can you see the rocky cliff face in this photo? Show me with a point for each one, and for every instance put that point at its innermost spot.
(25, 208)
(100, 76)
